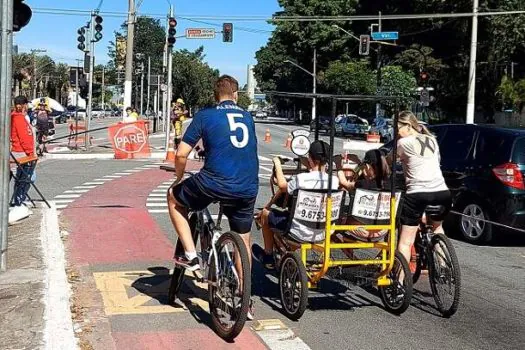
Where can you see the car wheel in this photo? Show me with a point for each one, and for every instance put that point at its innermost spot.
(472, 223)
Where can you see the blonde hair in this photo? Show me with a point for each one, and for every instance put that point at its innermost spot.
(408, 118)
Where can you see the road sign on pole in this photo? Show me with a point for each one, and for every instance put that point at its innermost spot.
(385, 35)
(200, 33)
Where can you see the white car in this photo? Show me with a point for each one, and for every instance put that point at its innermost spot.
(261, 115)
(97, 113)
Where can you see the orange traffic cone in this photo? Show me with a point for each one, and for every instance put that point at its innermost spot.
(288, 142)
(170, 154)
(267, 136)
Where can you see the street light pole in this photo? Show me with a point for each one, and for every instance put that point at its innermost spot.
(472, 70)
(314, 76)
(169, 91)
(129, 55)
(91, 75)
(148, 108)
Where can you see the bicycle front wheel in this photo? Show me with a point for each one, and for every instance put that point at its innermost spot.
(229, 288)
(444, 275)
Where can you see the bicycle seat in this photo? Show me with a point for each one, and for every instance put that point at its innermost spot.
(433, 211)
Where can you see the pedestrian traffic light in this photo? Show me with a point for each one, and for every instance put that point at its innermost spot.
(172, 31)
(227, 32)
(98, 28)
(81, 39)
(424, 77)
(364, 45)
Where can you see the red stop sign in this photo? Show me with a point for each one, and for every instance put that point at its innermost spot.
(130, 139)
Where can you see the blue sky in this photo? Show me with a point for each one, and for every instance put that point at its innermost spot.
(57, 33)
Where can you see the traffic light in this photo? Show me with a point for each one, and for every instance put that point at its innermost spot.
(364, 45)
(81, 39)
(172, 23)
(227, 32)
(424, 77)
(21, 15)
(98, 28)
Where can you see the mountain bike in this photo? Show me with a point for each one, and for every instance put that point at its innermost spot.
(224, 267)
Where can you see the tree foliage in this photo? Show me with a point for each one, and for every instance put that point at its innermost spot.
(244, 101)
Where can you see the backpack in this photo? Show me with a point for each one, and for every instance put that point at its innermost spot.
(42, 119)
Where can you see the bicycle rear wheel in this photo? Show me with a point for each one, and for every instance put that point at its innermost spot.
(444, 275)
(229, 288)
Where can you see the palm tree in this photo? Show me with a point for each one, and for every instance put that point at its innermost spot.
(22, 66)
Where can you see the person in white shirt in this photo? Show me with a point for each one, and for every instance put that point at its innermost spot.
(274, 220)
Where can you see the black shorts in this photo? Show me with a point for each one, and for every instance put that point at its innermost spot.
(239, 211)
(414, 205)
(278, 220)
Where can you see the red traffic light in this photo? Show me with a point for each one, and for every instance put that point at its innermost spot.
(424, 76)
(172, 22)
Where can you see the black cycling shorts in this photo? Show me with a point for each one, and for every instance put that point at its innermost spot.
(414, 205)
(239, 211)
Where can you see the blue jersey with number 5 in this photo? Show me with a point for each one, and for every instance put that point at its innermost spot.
(231, 168)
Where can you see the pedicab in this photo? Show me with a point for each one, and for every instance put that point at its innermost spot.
(301, 264)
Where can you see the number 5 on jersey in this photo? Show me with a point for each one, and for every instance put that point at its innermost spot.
(236, 125)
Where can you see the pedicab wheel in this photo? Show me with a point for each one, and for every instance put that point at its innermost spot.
(293, 285)
(229, 303)
(178, 272)
(444, 275)
(396, 297)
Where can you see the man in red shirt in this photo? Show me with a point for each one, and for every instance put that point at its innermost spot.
(22, 145)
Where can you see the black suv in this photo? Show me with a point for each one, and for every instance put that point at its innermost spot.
(484, 167)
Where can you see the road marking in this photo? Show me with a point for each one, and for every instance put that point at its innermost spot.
(264, 159)
(122, 174)
(84, 187)
(157, 195)
(113, 176)
(158, 211)
(267, 169)
(135, 170)
(277, 336)
(103, 179)
(163, 186)
(61, 206)
(156, 199)
(76, 191)
(150, 166)
(121, 294)
(63, 201)
(165, 204)
(68, 196)
(94, 183)
(168, 183)
(160, 190)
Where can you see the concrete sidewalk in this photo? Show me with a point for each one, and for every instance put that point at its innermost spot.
(29, 313)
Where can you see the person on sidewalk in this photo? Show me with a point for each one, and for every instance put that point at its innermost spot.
(130, 116)
(42, 127)
(22, 145)
(178, 115)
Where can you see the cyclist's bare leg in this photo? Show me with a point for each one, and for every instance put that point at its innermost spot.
(406, 241)
(267, 232)
(179, 219)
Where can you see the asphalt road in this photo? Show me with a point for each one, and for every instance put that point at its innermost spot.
(491, 314)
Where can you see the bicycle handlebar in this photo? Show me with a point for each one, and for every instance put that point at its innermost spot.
(171, 169)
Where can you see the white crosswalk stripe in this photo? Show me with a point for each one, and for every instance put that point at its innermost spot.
(160, 204)
(76, 191)
(113, 176)
(84, 187)
(93, 183)
(68, 196)
(103, 179)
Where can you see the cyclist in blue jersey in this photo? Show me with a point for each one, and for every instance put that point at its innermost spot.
(230, 172)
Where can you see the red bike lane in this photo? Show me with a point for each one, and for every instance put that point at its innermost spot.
(114, 249)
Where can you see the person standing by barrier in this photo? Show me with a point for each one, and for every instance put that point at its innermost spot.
(129, 116)
(177, 117)
(22, 145)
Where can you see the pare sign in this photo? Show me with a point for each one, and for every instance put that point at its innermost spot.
(130, 139)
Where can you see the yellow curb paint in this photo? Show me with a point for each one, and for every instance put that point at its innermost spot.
(265, 325)
(115, 285)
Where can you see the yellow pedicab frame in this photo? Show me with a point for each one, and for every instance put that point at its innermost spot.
(387, 248)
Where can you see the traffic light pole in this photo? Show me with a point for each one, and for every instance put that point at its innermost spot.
(472, 69)
(129, 55)
(378, 91)
(169, 90)
(89, 106)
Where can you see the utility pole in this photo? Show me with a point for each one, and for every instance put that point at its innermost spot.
(378, 89)
(76, 98)
(141, 88)
(314, 100)
(89, 106)
(164, 69)
(149, 85)
(169, 89)
(6, 55)
(129, 55)
(472, 71)
(102, 89)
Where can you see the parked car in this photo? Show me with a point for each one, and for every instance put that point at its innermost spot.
(386, 130)
(261, 115)
(59, 117)
(484, 167)
(97, 113)
(324, 124)
(352, 125)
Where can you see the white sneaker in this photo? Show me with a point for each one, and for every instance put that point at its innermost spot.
(18, 213)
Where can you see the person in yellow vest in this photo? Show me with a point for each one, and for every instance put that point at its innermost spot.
(178, 115)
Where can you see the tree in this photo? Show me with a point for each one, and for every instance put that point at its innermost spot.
(193, 79)
(244, 101)
(349, 78)
(397, 82)
(60, 82)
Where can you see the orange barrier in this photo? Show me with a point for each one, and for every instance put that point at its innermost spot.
(73, 129)
(375, 138)
(130, 140)
(288, 141)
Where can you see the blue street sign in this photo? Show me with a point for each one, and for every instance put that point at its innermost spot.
(385, 35)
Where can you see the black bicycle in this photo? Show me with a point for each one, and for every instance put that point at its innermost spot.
(435, 253)
(225, 268)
